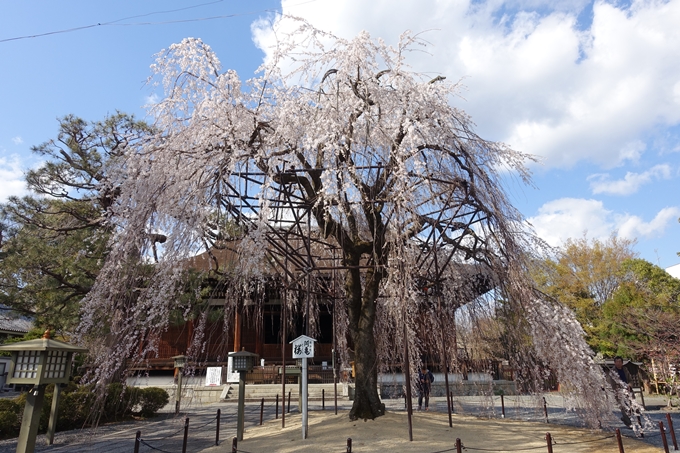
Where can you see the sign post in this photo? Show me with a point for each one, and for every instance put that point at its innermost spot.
(303, 348)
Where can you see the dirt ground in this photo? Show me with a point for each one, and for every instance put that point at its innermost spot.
(431, 433)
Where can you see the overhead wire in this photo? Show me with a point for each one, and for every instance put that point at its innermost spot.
(133, 24)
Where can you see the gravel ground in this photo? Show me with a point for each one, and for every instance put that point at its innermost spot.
(165, 432)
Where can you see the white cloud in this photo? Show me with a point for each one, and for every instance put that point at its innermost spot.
(12, 177)
(17, 140)
(151, 100)
(560, 219)
(565, 218)
(601, 182)
(634, 227)
(535, 80)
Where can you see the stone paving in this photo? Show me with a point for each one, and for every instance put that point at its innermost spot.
(165, 432)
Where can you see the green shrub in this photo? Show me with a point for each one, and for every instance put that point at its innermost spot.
(9, 405)
(119, 401)
(151, 400)
(9, 424)
(80, 406)
(10, 418)
(75, 409)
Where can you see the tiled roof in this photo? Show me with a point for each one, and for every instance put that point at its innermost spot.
(11, 324)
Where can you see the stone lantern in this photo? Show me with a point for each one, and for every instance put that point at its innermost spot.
(242, 362)
(39, 362)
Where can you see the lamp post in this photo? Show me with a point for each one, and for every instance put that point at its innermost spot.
(180, 362)
(243, 362)
(39, 362)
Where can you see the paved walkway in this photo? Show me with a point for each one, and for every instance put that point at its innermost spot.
(165, 432)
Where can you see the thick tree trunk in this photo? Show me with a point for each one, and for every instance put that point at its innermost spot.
(362, 311)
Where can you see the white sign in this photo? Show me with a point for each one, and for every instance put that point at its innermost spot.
(232, 376)
(213, 376)
(303, 347)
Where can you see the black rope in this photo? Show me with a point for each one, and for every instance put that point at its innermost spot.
(582, 441)
(142, 441)
(168, 436)
(209, 422)
(444, 451)
(505, 449)
(554, 442)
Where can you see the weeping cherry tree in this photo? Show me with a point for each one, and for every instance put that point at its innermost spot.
(382, 167)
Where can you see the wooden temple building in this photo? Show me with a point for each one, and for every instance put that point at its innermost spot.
(256, 327)
(257, 332)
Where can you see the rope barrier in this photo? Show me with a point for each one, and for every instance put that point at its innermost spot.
(444, 451)
(271, 404)
(168, 436)
(142, 441)
(505, 449)
(583, 441)
(524, 449)
(209, 422)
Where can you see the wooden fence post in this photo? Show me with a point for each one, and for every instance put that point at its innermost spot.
(672, 430)
(663, 437)
(217, 428)
(138, 438)
(619, 441)
(261, 411)
(186, 435)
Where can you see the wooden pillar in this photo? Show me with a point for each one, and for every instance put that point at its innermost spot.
(259, 338)
(190, 334)
(237, 330)
(54, 413)
(31, 419)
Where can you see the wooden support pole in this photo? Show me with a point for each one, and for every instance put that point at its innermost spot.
(186, 435)
(672, 430)
(407, 382)
(31, 419)
(261, 411)
(619, 441)
(54, 413)
(217, 428)
(663, 437)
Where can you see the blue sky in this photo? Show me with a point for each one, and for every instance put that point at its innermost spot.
(591, 88)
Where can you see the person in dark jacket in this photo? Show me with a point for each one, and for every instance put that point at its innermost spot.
(621, 381)
(425, 380)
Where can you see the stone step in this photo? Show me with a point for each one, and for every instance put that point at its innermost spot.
(269, 391)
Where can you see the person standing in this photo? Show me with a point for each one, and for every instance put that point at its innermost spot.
(622, 389)
(623, 372)
(425, 380)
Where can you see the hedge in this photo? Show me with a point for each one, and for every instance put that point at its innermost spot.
(80, 407)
